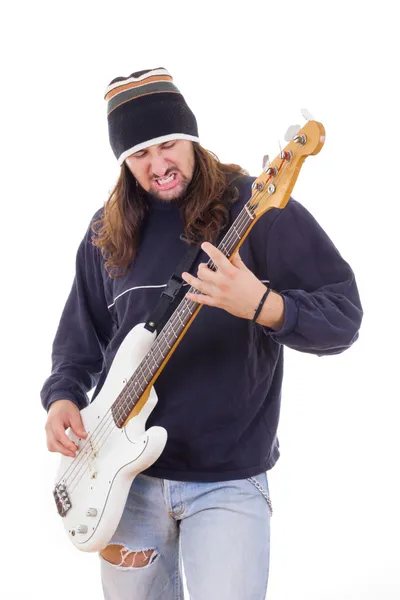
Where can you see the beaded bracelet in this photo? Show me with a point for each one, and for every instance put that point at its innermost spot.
(263, 299)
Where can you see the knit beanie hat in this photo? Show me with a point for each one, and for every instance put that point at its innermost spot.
(146, 108)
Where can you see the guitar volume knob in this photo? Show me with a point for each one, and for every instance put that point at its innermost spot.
(81, 529)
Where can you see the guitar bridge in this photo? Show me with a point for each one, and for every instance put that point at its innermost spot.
(62, 500)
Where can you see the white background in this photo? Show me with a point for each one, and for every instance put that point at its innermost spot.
(246, 70)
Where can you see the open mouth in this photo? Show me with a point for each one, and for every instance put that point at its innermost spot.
(166, 183)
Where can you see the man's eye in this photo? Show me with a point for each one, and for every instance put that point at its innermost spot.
(169, 145)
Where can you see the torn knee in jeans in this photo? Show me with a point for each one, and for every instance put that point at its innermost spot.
(121, 556)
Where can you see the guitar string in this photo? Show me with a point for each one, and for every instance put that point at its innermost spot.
(99, 433)
(105, 423)
(107, 430)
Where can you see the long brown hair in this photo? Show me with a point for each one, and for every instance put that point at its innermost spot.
(204, 210)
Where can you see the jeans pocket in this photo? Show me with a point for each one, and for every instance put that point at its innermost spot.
(262, 489)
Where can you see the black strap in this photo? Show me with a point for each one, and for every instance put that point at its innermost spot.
(172, 289)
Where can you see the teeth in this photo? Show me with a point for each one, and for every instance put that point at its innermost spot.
(166, 179)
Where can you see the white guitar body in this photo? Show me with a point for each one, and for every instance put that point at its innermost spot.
(92, 488)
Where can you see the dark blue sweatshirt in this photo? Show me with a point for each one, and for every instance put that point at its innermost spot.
(219, 395)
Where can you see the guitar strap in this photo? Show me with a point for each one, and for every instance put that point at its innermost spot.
(172, 290)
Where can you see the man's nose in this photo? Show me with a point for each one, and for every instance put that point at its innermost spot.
(159, 166)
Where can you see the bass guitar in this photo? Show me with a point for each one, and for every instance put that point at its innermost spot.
(91, 489)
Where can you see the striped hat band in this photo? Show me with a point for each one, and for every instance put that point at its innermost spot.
(146, 108)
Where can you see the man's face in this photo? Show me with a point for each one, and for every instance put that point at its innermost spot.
(164, 170)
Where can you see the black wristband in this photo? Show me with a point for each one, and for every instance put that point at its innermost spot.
(263, 299)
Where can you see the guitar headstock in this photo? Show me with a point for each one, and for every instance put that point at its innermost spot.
(273, 187)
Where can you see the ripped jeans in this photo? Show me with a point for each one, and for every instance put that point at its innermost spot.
(220, 531)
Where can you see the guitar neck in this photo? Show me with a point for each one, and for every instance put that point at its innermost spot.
(271, 189)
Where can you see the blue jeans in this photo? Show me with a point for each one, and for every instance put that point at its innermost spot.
(221, 530)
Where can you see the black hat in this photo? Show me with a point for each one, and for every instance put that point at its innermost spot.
(146, 108)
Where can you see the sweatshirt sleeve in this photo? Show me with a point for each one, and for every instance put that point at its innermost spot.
(83, 333)
(323, 312)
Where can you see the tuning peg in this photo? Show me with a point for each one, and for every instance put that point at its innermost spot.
(265, 161)
(291, 132)
(307, 115)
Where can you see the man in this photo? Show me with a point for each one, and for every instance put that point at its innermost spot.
(206, 498)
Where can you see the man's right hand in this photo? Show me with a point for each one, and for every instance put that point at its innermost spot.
(63, 414)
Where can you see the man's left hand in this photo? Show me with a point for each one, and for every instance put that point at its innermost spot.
(232, 286)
